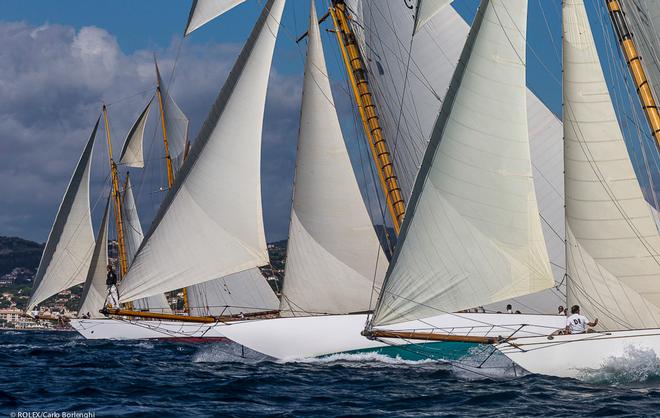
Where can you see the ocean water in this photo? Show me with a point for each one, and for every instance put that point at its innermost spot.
(55, 373)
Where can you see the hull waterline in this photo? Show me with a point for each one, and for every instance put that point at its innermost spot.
(131, 329)
(577, 356)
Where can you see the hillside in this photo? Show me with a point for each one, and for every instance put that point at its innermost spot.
(17, 252)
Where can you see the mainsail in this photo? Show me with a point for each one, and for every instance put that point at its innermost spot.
(210, 224)
(131, 152)
(204, 11)
(133, 237)
(95, 292)
(70, 244)
(613, 244)
(333, 254)
(473, 235)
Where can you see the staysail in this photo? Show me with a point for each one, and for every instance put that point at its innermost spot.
(333, 254)
(70, 244)
(95, 292)
(203, 11)
(613, 245)
(210, 224)
(473, 235)
(131, 152)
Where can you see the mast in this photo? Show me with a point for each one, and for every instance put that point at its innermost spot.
(168, 158)
(357, 73)
(636, 68)
(116, 197)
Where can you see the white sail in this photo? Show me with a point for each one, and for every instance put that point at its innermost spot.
(203, 11)
(333, 254)
(425, 11)
(612, 240)
(472, 234)
(210, 224)
(409, 97)
(243, 292)
(133, 237)
(95, 292)
(131, 152)
(176, 125)
(70, 244)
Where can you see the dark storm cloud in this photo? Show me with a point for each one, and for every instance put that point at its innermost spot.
(53, 80)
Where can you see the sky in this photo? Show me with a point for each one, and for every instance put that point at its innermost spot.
(60, 60)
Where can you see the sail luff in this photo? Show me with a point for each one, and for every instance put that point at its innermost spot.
(94, 292)
(474, 236)
(333, 254)
(212, 214)
(70, 243)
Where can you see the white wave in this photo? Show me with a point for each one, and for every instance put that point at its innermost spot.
(227, 353)
(364, 359)
(637, 365)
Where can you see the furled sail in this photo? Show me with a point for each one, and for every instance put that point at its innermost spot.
(95, 292)
(473, 235)
(203, 11)
(409, 91)
(243, 292)
(210, 224)
(131, 152)
(333, 254)
(425, 11)
(133, 237)
(70, 244)
(176, 125)
(613, 244)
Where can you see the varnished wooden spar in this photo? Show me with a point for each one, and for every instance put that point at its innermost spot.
(188, 318)
(430, 336)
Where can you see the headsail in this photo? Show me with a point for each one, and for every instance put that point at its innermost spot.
(425, 11)
(210, 224)
(94, 293)
(333, 254)
(203, 11)
(131, 151)
(613, 244)
(70, 244)
(472, 235)
(243, 292)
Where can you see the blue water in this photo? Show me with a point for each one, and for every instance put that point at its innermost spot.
(60, 371)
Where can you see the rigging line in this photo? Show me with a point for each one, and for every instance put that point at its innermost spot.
(551, 228)
(547, 26)
(123, 99)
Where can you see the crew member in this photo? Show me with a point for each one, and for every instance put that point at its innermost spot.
(111, 283)
(576, 323)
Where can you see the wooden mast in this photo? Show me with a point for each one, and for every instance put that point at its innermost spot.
(357, 73)
(168, 158)
(116, 197)
(636, 68)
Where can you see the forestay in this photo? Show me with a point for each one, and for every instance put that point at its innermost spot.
(333, 253)
(243, 292)
(132, 154)
(472, 235)
(70, 244)
(210, 224)
(613, 242)
(95, 291)
(203, 11)
(133, 237)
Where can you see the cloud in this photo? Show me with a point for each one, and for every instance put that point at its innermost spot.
(54, 80)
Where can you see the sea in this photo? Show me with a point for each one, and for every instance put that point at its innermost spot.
(60, 374)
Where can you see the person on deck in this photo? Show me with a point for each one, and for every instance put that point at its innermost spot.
(111, 283)
(576, 323)
(509, 309)
(561, 311)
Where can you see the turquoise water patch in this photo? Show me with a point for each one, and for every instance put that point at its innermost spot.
(427, 351)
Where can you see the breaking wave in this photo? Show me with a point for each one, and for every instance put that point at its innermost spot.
(637, 365)
(363, 359)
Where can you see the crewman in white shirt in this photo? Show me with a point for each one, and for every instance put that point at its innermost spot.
(576, 323)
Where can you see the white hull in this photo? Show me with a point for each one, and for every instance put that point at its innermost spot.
(125, 329)
(313, 336)
(577, 355)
